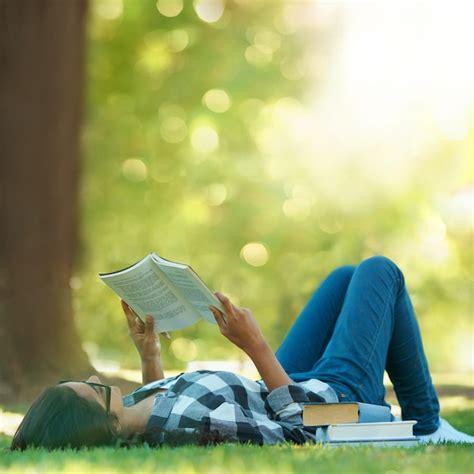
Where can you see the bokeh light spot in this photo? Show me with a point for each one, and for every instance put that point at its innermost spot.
(255, 254)
(329, 225)
(178, 40)
(164, 171)
(267, 40)
(169, 8)
(250, 109)
(432, 238)
(108, 9)
(216, 194)
(173, 129)
(195, 210)
(258, 56)
(134, 169)
(205, 139)
(75, 283)
(209, 11)
(155, 57)
(296, 208)
(184, 349)
(292, 70)
(216, 100)
(167, 110)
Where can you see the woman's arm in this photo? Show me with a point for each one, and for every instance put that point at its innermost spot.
(268, 367)
(240, 327)
(147, 343)
(151, 370)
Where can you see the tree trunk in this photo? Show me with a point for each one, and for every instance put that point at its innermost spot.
(41, 67)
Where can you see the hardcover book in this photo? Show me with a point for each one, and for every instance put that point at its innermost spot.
(348, 432)
(321, 414)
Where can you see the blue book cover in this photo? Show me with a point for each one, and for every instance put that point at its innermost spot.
(373, 413)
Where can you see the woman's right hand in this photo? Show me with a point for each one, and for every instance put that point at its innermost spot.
(238, 325)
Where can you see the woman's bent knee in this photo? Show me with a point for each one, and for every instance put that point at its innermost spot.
(343, 272)
(382, 263)
(379, 260)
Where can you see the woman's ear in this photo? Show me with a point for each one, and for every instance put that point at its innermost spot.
(117, 426)
(115, 423)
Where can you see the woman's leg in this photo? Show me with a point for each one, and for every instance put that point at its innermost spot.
(377, 328)
(312, 330)
(408, 370)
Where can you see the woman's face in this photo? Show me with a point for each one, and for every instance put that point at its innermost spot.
(95, 393)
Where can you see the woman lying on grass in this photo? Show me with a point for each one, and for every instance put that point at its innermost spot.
(357, 324)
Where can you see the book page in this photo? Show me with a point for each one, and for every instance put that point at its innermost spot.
(148, 293)
(192, 288)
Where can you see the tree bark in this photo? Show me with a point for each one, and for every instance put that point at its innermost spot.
(41, 82)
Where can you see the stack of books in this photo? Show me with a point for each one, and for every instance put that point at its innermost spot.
(355, 424)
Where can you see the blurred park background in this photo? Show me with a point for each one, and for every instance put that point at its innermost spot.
(266, 143)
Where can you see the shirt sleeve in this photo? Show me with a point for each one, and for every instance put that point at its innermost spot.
(283, 404)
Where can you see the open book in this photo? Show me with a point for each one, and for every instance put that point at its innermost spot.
(171, 292)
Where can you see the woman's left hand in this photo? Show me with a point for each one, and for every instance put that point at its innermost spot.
(142, 333)
(238, 325)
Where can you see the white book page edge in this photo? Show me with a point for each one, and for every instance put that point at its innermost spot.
(379, 423)
(125, 270)
(168, 263)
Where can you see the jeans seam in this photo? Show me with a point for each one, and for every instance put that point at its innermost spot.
(364, 376)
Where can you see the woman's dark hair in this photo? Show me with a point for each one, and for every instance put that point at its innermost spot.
(60, 418)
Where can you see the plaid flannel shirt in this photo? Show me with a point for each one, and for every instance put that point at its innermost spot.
(231, 405)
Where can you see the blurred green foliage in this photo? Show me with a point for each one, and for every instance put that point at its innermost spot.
(196, 176)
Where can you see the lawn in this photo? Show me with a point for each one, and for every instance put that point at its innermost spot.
(235, 458)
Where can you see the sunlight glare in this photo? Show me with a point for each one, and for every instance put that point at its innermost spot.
(209, 11)
(397, 90)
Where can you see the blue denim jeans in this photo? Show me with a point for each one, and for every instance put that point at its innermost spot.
(358, 323)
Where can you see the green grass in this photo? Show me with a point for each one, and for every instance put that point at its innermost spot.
(236, 458)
